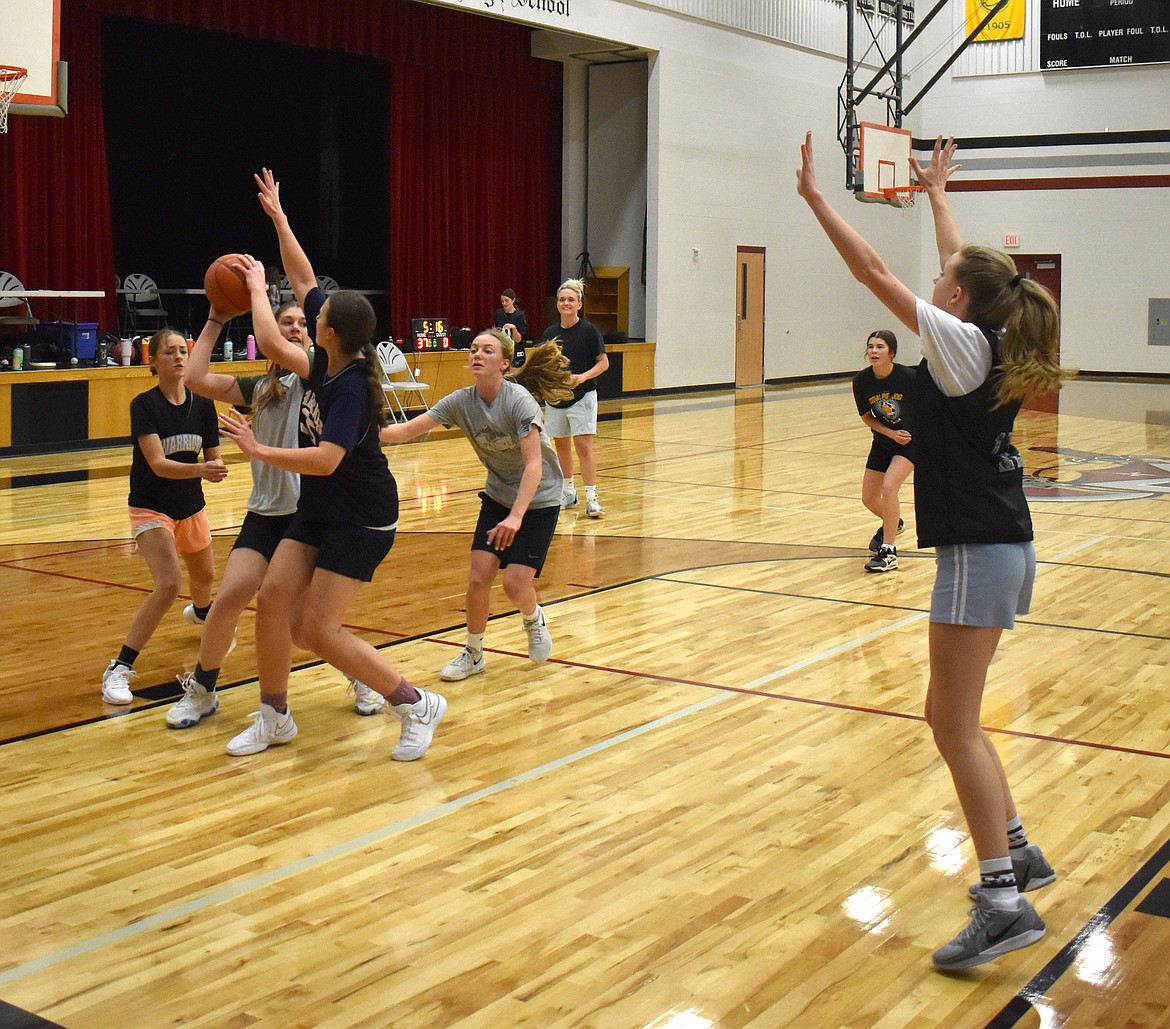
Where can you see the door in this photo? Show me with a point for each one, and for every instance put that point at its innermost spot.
(749, 316)
(1045, 269)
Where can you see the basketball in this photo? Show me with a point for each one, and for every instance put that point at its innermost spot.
(225, 286)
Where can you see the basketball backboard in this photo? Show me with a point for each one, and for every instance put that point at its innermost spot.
(30, 37)
(883, 161)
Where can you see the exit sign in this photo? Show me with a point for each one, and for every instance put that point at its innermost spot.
(1011, 240)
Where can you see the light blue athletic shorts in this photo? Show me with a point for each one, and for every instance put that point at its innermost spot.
(986, 584)
(578, 420)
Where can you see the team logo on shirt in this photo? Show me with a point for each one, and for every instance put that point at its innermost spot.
(311, 424)
(1079, 475)
(494, 441)
(182, 443)
(887, 408)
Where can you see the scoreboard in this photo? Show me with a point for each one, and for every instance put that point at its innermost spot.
(1103, 33)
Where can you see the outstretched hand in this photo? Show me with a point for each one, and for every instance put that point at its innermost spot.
(269, 194)
(806, 176)
(235, 425)
(934, 175)
(254, 274)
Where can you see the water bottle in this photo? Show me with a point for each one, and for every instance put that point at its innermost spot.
(18, 359)
(227, 349)
(250, 347)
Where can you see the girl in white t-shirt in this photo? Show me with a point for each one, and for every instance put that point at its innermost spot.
(989, 337)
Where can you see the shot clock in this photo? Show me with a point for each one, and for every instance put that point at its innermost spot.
(430, 334)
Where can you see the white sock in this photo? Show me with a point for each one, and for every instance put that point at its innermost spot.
(569, 487)
(534, 617)
(999, 883)
(475, 642)
(591, 492)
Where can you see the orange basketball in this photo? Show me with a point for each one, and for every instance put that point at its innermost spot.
(225, 286)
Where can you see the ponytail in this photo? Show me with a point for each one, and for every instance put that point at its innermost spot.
(1024, 313)
(545, 374)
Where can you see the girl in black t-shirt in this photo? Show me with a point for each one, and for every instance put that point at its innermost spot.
(170, 426)
(509, 317)
(989, 337)
(882, 395)
(347, 513)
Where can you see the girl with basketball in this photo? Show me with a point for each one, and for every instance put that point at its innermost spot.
(882, 395)
(521, 501)
(347, 512)
(572, 423)
(170, 425)
(989, 337)
(275, 402)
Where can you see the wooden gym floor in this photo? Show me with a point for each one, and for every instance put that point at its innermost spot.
(717, 805)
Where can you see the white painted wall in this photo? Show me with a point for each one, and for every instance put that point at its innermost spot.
(726, 111)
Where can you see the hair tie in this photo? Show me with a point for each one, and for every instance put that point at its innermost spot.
(1015, 281)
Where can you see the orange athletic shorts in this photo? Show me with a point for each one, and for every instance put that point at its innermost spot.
(191, 535)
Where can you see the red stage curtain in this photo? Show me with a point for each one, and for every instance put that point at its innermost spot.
(469, 216)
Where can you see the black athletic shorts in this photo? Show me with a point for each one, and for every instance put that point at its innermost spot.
(881, 454)
(262, 533)
(352, 551)
(533, 538)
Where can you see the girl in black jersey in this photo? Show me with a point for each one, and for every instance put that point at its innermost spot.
(348, 508)
(882, 395)
(170, 426)
(989, 337)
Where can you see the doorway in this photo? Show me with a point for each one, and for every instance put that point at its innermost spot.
(749, 316)
(1044, 269)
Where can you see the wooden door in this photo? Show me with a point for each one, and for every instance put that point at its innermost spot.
(749, 316)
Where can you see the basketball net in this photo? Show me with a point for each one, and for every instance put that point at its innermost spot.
(901, 196)
(11, 79)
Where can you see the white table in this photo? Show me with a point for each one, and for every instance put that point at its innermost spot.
(37, 294)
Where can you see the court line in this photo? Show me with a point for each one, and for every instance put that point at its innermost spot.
(256, 882)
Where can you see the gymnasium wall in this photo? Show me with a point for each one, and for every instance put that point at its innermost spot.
(1115, 251)
(726, 111)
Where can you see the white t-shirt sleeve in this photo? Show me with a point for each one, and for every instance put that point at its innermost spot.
(957, 353)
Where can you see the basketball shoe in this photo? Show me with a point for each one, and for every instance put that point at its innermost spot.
(419, 722)
(366, 701)
(991, 932)
(116, 684)
(539, 641)
(271, 728)
(195, 704)
(1031, 868)
(463, 665)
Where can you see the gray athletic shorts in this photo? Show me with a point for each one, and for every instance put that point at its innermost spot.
(986, 584)
(578, 420)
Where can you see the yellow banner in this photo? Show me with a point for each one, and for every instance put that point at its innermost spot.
(1007, 24)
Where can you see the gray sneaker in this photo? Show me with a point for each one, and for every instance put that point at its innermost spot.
(366, 701)
(197, 703)
(419, 721)
(991, 932)
(569, 498)
(464, 665)
(1032, 870)
(594, 509)
(539, 641)
(270, 729)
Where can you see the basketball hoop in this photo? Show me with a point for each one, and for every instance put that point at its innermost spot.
(11, 79)
(901, 196)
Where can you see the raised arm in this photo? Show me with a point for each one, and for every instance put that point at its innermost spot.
(296, 262)
(268, 338)
(199, 377)
(865, 264)
(932, 177)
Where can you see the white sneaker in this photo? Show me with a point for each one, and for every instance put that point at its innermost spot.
(192, 615)
(463, 665)
(569, 498)
(270, 728)
(593, 509)
(197, 703)
(116, 684)
(366, 701)
(539, 641)
(419, 721)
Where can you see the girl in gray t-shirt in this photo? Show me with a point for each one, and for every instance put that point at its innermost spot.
(521, 500)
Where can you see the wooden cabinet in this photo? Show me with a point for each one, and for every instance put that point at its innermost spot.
(607, 299)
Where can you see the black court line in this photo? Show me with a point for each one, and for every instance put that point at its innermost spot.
(12, 1017)
(1047, 977)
